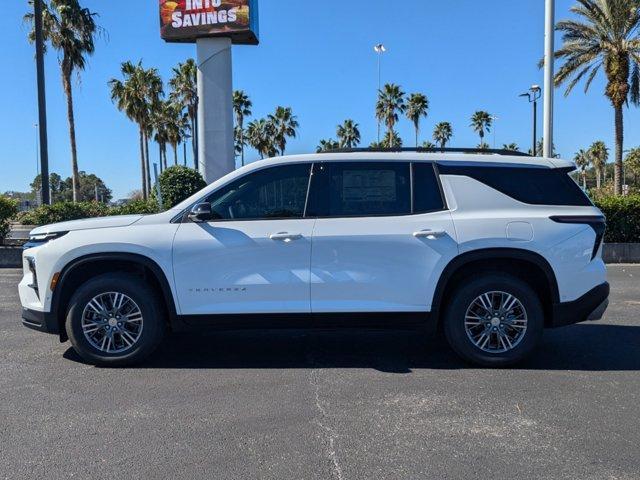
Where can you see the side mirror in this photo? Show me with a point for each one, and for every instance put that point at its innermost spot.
(201, 212)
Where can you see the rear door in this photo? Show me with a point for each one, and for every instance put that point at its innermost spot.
(381, 239)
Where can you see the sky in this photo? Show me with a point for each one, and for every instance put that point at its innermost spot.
(316, 57)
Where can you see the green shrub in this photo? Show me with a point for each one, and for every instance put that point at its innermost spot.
(135, 207)
(178, 183)
(63, 211)
(8, 208)
(623, 217)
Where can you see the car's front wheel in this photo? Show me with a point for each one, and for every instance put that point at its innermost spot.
(494, 320)
(115, 319)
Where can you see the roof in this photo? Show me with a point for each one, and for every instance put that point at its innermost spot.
(417, 156)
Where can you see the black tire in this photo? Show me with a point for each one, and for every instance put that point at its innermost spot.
(462, 298)
(145, 297)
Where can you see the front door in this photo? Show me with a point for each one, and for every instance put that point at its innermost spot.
(255, 256)
(379, 243)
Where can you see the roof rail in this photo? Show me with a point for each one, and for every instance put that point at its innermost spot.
(491, 151)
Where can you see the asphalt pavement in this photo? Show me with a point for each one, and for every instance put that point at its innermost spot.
(325, 405)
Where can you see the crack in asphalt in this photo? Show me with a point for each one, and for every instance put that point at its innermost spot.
(329, 436)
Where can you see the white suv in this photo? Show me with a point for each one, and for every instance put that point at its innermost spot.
(489, 248)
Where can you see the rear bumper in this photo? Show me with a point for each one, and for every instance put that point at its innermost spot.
(590, 306)
(41, 321)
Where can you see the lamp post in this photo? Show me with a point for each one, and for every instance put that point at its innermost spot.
(379, 49)
(494, 118)
(549, 25)
(42, 102)
(533, 95)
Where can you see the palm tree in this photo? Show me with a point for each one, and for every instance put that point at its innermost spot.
(327, 145)
(136, 96)
(348, 134)
(429, 145)
(481, 123)
(513, 147)
(632, 162)
(391, 140)
(242, 109)
(417, 107)
(599, 154)
(583, 161)
(184, 91)
(284, 126)
(606, 35)
(442, 133)
(261, 135)
(159, 123)
(71, 30)
(390, 103)
(483, 146)
(177, 125)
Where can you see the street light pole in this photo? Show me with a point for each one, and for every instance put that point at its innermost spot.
(494, 118)
(42, 102)
(549, 26)
(533, 95)
(379, 49)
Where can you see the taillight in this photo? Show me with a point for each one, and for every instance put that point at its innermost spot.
(597, 222)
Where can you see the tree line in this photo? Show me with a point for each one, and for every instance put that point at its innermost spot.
(604, 36)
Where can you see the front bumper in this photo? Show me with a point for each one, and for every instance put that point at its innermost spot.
(41, 321)
(590, 306)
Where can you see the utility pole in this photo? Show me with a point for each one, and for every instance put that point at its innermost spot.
(549, 27)
(42, 103)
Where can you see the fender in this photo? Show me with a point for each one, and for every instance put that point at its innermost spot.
(133, 258)
(492, 254)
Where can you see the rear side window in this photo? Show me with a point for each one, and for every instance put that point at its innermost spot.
(532, 185)
(426, 190)
(360, 189)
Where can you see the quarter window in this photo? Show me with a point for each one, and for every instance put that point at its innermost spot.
(278, 192)
(426, 190)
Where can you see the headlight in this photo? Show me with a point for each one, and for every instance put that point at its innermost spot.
(41, 238)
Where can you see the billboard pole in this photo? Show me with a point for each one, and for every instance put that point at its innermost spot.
(42, 103)
(548, 77)
(215, 108)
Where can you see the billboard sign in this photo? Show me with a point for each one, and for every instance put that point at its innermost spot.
(188, 20)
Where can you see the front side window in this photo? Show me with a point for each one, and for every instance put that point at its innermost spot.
(272, 193)
(360, 189)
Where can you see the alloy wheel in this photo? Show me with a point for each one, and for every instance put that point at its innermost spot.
(496, 322)
(112, 322)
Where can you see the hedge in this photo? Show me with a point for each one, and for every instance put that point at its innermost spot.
(178, 183)
(8, 209)
(623, 213)
(64, 211)
(623, 218)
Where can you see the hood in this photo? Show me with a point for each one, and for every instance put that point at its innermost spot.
(88, 224)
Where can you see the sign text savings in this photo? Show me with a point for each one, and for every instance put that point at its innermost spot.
(179, 20)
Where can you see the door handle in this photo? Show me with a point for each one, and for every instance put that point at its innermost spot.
(285, 236)
(429, 233)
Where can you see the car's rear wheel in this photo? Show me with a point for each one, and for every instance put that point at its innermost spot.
(494, 320)
(115, 320)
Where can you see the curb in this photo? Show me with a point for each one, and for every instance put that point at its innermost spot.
(621, 253)
(10, 257)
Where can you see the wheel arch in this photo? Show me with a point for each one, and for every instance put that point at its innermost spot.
(76, 271)
(524, 264)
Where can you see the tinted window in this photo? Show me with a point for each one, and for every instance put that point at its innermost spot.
(361, 189)
(533, 185)
(426, 191)
(278, 192)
